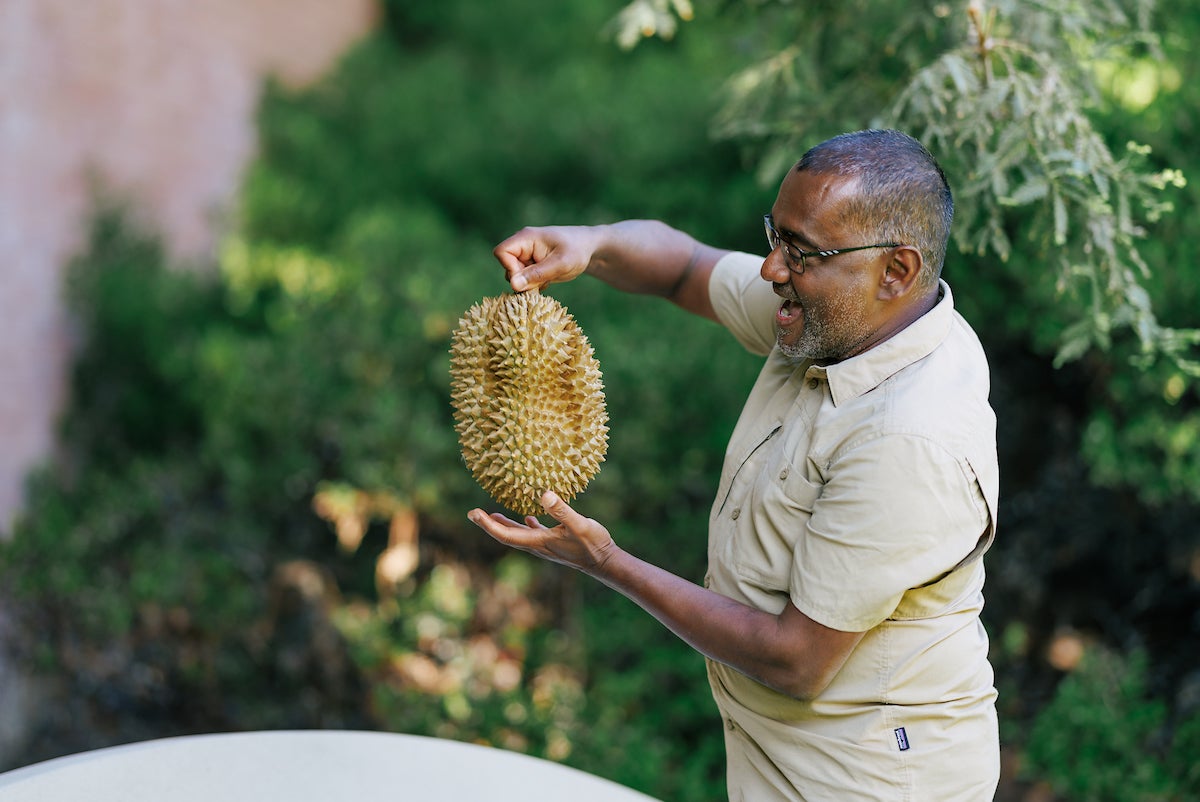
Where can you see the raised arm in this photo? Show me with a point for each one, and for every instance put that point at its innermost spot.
(645, 257)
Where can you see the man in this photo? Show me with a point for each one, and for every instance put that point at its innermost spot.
(840, 612)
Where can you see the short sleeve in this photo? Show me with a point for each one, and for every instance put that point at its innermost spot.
(744, 303)
(896, 513)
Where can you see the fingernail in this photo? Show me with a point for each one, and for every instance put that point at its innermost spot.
(519, 283)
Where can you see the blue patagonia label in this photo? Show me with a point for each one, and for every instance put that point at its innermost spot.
(901, 739)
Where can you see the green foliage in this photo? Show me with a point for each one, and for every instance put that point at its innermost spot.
(647, 704)
(225, 426)
(1143, 428)
(645, 18)
(1035, 110)
(450, 659)
(1103, 739)
(458, 123)
(1042, 184)
(1019, 136)
(1004, 104)
(131, 415)
(781, 104)
(1157, 453)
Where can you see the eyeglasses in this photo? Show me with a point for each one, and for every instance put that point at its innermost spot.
(793, 257)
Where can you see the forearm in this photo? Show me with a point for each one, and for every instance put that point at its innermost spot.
(761, 645)
(638, 256)
(789, 652)
(651, 258)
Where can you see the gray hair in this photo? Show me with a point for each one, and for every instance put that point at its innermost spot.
(902, 192)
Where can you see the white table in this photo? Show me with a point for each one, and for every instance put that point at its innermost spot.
(305, 766)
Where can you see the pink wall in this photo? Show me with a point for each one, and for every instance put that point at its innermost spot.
(156, 97)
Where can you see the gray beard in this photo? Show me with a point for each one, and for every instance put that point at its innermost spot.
(818, 341)
(810, 346)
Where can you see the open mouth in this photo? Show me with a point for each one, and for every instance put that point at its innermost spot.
(789, 312)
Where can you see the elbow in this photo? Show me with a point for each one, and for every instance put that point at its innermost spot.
(803, 694)
(801, 683)
(802, 656)
(804, 689)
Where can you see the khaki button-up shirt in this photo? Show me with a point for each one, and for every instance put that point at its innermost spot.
(865, 494)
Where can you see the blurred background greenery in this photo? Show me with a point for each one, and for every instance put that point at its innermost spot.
(257, 519)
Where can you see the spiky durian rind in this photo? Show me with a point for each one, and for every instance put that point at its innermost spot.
(528, 400)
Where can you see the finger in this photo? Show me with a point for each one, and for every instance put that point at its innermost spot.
(483, 519)
(502, 518)
(560, 511)
(536, 276)
(524, 277)
(503, 529)
(512, 262)
(521, 251)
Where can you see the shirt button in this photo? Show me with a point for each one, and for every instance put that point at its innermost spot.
(737, 511)
(729, 723)
(783, 474)
(813, 384)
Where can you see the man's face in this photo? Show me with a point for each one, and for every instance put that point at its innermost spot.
(830, 310)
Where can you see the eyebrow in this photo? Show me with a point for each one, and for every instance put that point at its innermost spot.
(794, 237)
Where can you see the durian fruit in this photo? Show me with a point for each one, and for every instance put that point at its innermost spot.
(528, 400)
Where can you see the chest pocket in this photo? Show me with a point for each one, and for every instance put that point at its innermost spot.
(776, 517)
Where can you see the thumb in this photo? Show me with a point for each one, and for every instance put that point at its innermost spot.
(537, 275)
(558, 509)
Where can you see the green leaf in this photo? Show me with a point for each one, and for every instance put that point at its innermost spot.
(1060, 219)
(1034, 189)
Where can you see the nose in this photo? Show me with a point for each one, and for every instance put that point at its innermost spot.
(773, 269)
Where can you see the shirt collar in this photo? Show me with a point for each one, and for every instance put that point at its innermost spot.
(866, 371)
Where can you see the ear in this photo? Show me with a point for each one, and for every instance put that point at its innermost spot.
(900, 274)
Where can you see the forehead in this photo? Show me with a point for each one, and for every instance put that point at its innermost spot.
(811, 205)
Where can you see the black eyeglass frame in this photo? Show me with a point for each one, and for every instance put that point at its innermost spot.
(792, 254)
